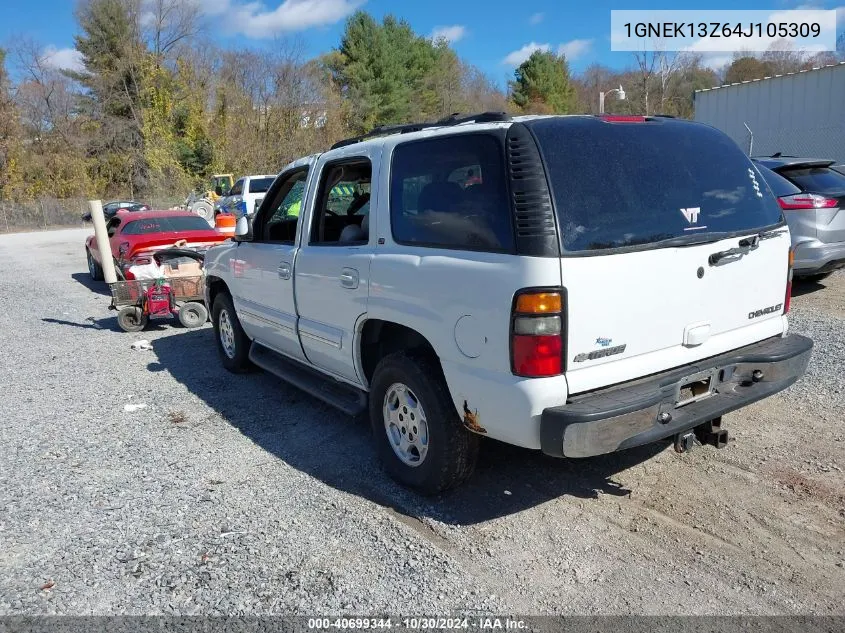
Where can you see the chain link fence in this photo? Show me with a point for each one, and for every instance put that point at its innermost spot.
(43, 213)
(53, 213)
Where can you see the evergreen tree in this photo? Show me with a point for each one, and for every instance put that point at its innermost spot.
(542, 84)
(113, 56)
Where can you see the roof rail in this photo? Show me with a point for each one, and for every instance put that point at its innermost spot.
(453, 119)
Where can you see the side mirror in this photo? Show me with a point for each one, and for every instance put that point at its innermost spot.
(243, 229)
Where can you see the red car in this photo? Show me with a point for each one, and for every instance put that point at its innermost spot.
(134, 235)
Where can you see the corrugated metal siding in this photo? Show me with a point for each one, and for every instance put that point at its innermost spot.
(802, 114)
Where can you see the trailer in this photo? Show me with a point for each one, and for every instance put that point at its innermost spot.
(797, 114)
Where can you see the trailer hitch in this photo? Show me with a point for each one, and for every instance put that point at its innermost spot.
(711, 432)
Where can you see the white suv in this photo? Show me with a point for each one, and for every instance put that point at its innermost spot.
(573, 284)
(245, 195)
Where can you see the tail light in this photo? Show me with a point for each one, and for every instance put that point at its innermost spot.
(806, 201)
(788, 298)
(537, 333)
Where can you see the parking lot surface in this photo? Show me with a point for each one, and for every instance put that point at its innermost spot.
(241, 495)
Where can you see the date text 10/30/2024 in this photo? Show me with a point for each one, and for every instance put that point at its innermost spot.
(476, 623)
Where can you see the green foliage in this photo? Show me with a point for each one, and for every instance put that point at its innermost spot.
(542, 84)
(747, 69)
(113, 56)
(150, 122)
(388, 74)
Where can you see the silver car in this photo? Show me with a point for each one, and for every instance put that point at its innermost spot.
(812, 196)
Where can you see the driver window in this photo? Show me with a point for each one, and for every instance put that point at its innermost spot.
(342, 214)
(280, 218)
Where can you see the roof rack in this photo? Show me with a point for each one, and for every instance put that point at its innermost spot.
(453, 119)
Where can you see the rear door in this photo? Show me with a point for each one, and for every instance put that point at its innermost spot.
(333, 263)
(828, 183)
(651, 213)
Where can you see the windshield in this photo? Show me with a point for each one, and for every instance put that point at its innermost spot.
(627, 184)
(816, 179)
(260, 185)
(173, 224)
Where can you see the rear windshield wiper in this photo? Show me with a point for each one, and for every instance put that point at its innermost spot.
(746, 245)
(689, 240)
(754, 240)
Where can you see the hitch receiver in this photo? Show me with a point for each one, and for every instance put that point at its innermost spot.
(711, 432)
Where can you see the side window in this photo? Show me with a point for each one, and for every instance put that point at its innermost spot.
(450, 193)
(237, 188)
(341, 215)
(278, 220)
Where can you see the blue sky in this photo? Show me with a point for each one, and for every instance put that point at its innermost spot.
(495, 35)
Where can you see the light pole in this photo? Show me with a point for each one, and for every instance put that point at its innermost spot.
(602, 95)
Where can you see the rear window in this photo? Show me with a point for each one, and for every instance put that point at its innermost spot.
(618, 185)
(779, 185)
(260, 185)
(166, 225)
(817, 179)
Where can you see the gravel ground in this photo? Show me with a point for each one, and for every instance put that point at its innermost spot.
(240, 495)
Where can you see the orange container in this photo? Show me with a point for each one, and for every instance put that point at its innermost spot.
(225, 223)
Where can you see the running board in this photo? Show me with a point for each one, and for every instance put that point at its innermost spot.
(345, 397)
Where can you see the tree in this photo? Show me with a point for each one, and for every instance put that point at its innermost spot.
(387, 72)
(113, 55)
(169, 23)
(542, 84)
(747, 68)
(10, 134)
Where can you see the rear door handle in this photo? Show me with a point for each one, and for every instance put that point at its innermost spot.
(284, 270)
(349, 278)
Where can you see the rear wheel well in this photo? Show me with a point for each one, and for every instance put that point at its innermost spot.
(381, 338)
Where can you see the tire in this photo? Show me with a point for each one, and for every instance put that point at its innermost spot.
(132, 319)
(234, 352)
(94, 269)
(193, 314)
(205, 210)
(443, 453)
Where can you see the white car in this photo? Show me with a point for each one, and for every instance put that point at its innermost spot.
(245, 195)
(572, 284)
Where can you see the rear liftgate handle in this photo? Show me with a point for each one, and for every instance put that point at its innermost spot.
(348, 277)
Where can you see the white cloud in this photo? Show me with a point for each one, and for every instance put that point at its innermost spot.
(575, 48)
(515, 58)
(255, 20)
(62, 59)
(536, 18)
(715, 61)
(449, 33)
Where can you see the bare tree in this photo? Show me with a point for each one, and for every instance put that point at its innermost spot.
(168, 23)
(647, 61)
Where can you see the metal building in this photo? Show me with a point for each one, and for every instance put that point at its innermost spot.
(798, 114)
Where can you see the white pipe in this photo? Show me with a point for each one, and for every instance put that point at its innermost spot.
(103, 245)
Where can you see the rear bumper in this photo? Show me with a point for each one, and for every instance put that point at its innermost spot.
(646, 410)
(814, 257)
